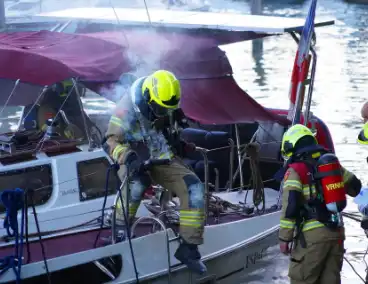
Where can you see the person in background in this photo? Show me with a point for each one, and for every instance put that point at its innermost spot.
(364, 112)
(307, 234)
(57, 98)
(143, 122)
(362, 198)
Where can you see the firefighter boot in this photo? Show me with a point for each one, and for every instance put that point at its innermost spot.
(189, 255)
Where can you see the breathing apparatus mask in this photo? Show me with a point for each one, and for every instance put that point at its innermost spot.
(158, 110)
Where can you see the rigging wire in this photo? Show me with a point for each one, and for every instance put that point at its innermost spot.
(9, 97)
(148, 14)
(119, 23)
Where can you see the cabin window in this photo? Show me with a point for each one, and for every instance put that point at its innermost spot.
(38, 178)
(92, 179)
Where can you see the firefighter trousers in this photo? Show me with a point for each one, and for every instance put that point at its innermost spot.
(179, 179)
(318, 263)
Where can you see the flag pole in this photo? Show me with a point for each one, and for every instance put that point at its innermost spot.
(301, 68)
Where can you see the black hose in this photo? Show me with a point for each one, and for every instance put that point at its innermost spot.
(113, 166)
(116, 167)
(26, 228)
(98, 130)
(356, 272)
(126, 215)
(352, 216)
(40, 238)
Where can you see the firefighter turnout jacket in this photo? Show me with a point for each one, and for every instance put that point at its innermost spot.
(295, 198)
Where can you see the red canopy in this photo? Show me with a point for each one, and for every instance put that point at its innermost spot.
(44, 58)
(210, 94)
(226, 103)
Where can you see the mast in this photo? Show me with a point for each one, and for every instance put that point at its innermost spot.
(256, 7)
(2, 14)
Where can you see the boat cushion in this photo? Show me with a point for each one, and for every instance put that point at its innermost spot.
(189, 162)
(198, 168)
(205, 139)
(209, 140)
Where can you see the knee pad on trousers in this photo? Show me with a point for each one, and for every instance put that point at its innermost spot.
(195, 191)
(137, 186)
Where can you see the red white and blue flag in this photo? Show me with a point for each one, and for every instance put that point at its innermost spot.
(301, 65)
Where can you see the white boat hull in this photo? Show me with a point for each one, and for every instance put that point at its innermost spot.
(244, 244)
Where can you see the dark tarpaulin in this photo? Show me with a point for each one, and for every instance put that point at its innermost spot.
(210, 94)
(185, 55)
(44, 58)
(227, 103)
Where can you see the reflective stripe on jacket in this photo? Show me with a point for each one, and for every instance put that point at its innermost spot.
(126, 125)
(293, 188)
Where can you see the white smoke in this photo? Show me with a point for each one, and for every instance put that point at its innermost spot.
(147, 49)
(142, 63)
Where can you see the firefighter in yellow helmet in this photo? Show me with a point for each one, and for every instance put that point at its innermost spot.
(363, 135)
(363, 208)
(143, 121)
(69, 122)
(310, 231)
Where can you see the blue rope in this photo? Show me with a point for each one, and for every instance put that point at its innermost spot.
(13, 201)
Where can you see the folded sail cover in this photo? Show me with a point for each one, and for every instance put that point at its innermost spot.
(210, 94)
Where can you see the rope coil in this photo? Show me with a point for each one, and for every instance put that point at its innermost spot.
(13, 201)
(252, 150)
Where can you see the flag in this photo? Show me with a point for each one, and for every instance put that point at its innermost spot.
(301, 65)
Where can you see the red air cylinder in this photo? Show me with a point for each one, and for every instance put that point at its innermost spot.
(331, 182)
